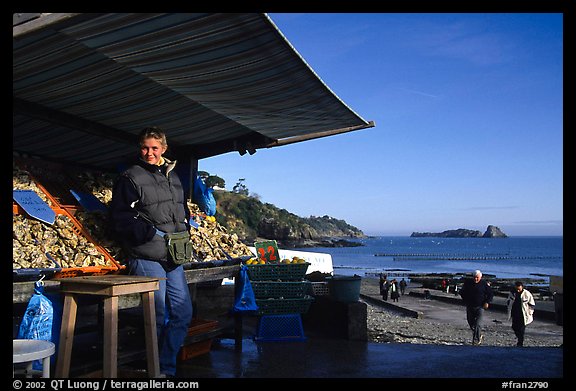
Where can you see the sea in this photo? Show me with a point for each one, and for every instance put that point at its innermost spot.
(511, 257)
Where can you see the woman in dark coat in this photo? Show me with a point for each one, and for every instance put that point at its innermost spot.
(394, 290)
(147, 202)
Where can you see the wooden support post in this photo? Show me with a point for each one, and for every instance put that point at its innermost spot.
(66, 336)
(110, 348)
(151, 336)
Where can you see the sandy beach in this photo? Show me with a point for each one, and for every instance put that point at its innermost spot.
(445, 324)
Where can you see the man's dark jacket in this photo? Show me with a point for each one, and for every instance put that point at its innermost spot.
(476, 294)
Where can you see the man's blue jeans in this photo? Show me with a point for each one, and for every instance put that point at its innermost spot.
(173, 309)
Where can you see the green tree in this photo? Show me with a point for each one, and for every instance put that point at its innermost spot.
(211, 180)
(214, 180)
(240, 187)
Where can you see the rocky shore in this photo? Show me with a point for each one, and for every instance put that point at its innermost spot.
(321, 242)
(445, 324)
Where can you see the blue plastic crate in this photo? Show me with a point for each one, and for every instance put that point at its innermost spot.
(276, 328)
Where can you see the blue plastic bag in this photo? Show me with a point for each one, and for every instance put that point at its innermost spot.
(245, 301)
(204, 197)
(41, 320)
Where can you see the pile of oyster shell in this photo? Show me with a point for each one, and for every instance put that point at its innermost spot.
(211, 240)
(21, 180)
(38, 245)
(99, 184)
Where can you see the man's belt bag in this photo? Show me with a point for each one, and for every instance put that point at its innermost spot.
(179, 247)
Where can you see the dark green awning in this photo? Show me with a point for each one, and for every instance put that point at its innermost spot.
(85, 84)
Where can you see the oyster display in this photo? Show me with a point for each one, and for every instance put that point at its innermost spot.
(96, 223)
(99, 184)
(69, 249)
(36, 244)
(21, 180)
(212, 241)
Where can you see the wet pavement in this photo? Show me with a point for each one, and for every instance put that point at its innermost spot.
(319, 357)
(322, 357)
(337, 358)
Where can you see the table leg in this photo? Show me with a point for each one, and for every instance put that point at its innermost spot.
(110, 369)
(28, 372)
(238, 331)
(150, 333)
(66, 336)
(46, 367)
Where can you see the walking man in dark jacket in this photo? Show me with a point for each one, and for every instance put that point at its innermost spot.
(477, 295)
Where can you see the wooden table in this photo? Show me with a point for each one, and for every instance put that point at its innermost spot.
(110, 287)
(23, 291)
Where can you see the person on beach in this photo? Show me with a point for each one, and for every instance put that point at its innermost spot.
(520, 305)
(403, 285)
(147, 202)
(394, 290)
(385, 289)
(477, 296)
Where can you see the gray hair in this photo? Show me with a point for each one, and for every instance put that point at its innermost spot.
(477, 273)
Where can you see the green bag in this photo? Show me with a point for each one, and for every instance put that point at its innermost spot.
(179, 247)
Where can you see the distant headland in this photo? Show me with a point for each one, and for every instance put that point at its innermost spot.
(491, 232)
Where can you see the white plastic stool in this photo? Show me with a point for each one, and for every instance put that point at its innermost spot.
(29, 350)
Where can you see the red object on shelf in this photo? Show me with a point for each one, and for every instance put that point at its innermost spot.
(198, 326)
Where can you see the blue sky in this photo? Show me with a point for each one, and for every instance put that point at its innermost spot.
(468, 111)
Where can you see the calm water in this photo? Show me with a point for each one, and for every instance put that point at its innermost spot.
(512, 257)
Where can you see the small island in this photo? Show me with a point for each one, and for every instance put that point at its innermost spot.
(491, 232)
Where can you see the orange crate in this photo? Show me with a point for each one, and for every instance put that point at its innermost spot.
(198, 326)
(55, 182)
(195, 349)
(79, 230)
(90, 270)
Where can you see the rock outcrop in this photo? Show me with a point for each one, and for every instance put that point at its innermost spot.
(491, 232)
(494, 232)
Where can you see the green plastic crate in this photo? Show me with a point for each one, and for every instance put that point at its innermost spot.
(279, 289)
(277, 271)
(299, 305)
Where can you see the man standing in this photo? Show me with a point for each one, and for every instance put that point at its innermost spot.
(520, 305)
(403, 286)
(477, 295)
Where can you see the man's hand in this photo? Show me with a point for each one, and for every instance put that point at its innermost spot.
(485, 306)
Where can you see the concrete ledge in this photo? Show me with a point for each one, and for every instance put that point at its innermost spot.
(335, 319)
(498, 304)
(402, 310)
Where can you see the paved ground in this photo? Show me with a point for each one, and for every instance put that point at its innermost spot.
(330, 358)
(319, 358)
(322, 358)
(447, 308)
